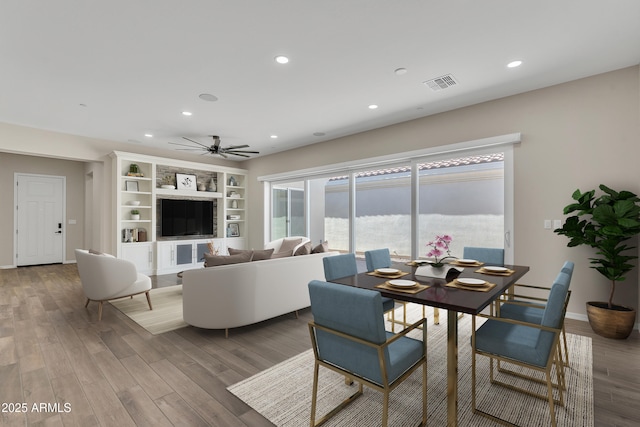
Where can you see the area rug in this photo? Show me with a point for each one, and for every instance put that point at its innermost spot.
(166, 314)
(282, 394)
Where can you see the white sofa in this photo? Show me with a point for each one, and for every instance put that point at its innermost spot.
(230, 296)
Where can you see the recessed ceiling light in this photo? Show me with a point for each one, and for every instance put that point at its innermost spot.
(514, 64)
(274, 137)
(208, 97)
(187, 113)
(400, 71)
(148, 135)
(281, 59)
(373, 106)
(319, 134)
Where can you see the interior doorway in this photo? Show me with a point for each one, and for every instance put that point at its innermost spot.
(39, 219)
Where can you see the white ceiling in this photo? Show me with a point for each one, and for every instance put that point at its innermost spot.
(118, 69)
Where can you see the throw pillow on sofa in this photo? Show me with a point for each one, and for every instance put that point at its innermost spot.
(303, 250)
(322, 247)
(262, 254)
(287, 247)
(241, 251)
(215, 260)
(256, 255)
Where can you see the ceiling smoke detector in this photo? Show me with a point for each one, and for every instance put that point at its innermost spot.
(442, 82)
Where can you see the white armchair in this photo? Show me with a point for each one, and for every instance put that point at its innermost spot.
(105, 278)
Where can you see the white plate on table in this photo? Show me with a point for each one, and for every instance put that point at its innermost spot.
(420, 261)
(400, 283)
(467, 261)
(387, 270)
(496, 269)
(469, 281)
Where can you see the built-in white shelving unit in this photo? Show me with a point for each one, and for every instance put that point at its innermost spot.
(139, 182)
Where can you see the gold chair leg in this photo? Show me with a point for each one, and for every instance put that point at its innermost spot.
(385, 408)
(100, 311)
(314, 398)
(566, 347)
(436, 316)
(393, 319)
(404, 314)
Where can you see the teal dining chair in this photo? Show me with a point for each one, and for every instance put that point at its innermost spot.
(530, 345)
(381, 258)
(494, 256)
(348, 337)
(526, 304)
(344, 265)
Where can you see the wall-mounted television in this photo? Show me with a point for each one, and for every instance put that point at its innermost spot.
(186, 217)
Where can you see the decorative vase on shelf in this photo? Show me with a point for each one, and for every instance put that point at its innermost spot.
(212, 186)
(232, 181)
(135, 217)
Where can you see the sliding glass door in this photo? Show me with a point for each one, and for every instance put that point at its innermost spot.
(466, 193)
(383, 211)
(288, 212)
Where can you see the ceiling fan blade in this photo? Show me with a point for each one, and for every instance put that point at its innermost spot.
(195, 142)
(189, 149)
(233, 147)
(242, 151)
(237, 154)
(184, 145)
(222, 154)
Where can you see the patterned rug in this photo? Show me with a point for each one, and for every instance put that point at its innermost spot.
(166, 314)
(282, 394)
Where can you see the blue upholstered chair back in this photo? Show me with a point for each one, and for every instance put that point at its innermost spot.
(487, 255)
(377, 258)
(339, 266)
(554, 310)
(567, 267)
(352, 311)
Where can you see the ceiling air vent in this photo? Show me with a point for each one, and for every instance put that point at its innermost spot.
(442, 82)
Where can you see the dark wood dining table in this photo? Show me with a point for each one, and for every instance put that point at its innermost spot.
(454, 300)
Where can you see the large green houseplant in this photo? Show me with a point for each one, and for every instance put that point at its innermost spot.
(606, 223)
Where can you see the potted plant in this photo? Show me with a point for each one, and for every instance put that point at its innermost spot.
(437, 248)
(135, 214)
(606, 223)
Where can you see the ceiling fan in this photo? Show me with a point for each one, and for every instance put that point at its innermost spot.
(215, 149)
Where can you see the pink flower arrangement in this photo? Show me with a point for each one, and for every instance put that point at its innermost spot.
(438, 248)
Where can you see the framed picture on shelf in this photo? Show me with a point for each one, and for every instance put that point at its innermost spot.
(185, 182)
(131, 185)
(233, 230)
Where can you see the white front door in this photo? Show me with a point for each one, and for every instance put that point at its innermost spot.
(40, 232)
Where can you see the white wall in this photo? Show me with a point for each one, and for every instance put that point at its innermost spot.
(574, 135)
(24, 149)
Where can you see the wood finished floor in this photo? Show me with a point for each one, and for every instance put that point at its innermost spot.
(114, 373)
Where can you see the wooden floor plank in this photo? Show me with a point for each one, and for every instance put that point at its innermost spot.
(115, 373)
